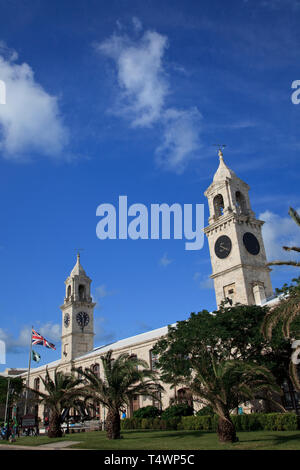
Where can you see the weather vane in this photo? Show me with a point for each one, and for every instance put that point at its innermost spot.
(78, 250)
(220, 149)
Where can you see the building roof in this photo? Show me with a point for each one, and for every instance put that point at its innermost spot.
(78, 269)
(223, 171)
(122, 343)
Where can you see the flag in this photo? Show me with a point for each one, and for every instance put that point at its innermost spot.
(35, 356)
(38, 339)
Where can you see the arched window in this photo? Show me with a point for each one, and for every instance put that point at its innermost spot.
(185, 396)
(240, 203)
(153, 360)
(81, 292)
(69, 291)
(96, 369)
(218, 205)
(134, 356)
(36, 384)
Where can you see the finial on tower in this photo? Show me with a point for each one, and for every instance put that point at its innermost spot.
(78, 253)
(220, 150)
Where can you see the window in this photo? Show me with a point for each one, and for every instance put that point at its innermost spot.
(69, 292)
(229, 293)
(157, 401)
(134, 356)
(36, 384)
(96, 369)
(184, 396)
(153, 360)
(240, 203)
(218, 205)
(81, 292)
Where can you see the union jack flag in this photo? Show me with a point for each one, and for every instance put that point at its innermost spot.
(39, 339)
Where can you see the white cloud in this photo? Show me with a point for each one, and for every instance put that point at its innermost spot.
(206, 283)
(141, 78)
(203, 282)
(180, 139)
(165, 261)
(51, 331)
(137, 24)
(30, 121)
(102, 291)
(277, 232)
(143, 88)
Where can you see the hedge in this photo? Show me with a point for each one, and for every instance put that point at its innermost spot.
(175, 411)
(147, 412)
(245, 422)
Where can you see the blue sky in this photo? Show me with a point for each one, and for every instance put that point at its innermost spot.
(127, 98)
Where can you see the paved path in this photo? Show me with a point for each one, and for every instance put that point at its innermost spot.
(62, 445)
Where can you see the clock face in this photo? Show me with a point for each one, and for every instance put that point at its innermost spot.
(67, 320)
(82, 319)
(251, 243)
(223, 246)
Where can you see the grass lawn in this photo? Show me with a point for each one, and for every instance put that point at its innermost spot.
(175, 440)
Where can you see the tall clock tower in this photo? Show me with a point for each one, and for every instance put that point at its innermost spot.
(235, 240)
(77, 315)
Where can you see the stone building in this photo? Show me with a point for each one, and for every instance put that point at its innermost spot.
(239, 272)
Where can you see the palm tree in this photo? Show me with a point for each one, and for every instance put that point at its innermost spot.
(122, 381)
(288, 307)
(224, 384)
(286, 312)
(61, 392)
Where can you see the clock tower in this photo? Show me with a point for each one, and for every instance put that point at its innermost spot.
(235, 241)
(77, 315)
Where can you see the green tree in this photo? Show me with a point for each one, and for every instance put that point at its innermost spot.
(16, 384)
(223, 384)
(232, 332)
(60, 392)
(286, 315)
(124, 377)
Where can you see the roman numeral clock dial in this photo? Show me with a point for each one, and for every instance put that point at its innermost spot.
(223, 246)
(82, 319)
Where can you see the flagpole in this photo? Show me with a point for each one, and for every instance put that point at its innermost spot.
(28, 373)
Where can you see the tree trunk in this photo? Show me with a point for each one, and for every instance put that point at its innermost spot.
(113, 425)
(226, 430)
(54, 426)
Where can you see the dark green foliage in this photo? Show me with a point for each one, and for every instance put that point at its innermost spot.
(16, 384)
(147, 412)
(230, 330)
(151, 423)
(124, 377)
(245, 422)
(205, 411)
(177, 410)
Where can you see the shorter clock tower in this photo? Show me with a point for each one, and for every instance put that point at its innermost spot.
(235, 242)
(77, 315)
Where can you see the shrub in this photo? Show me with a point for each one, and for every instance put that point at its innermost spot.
(245, 422)
(177, 411)
(146, 412)
(206, 411)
